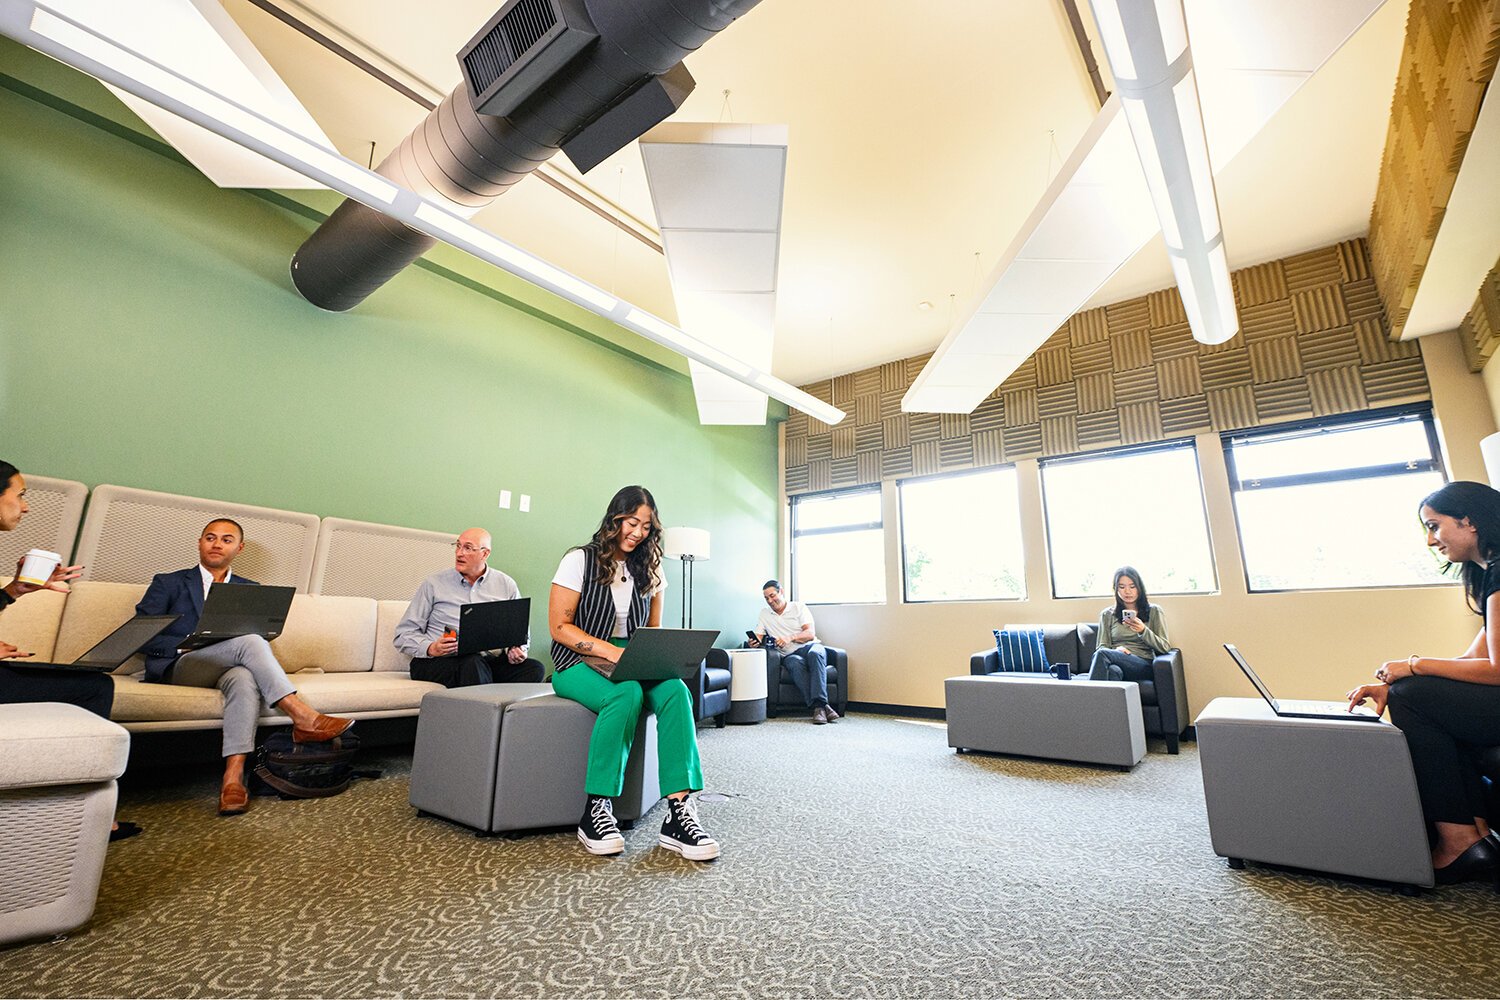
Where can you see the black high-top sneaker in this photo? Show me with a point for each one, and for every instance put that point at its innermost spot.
(682, 833)
(597, 830)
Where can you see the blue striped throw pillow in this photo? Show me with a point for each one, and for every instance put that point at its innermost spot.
(1021, 650)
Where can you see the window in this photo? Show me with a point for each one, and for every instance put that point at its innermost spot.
(961, 537)
(1140, 507)
(1333, 503)
(838, 548)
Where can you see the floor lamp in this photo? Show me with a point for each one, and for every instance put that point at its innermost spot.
(689, 545)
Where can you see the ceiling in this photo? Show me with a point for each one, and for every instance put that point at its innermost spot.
(917, 148)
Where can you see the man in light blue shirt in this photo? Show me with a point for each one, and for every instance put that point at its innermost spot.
(428, 632)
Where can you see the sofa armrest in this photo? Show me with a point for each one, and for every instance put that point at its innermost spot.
(1171, 695)
(839, 659)
(986, 661)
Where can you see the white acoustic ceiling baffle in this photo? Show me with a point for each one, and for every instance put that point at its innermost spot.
(1146, 42)
(1250, 58)
(717, 191)
(199, 40)
(36, 24)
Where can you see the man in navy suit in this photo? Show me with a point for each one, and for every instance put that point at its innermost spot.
(243, 668)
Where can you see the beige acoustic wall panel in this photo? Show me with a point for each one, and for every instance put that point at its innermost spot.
(52, 524)
(381, 561)
(129, 535)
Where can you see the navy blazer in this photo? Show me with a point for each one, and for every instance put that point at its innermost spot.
(179, 593)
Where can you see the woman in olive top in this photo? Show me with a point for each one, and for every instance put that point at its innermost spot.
(604, 591)
(1449, 706)
(1130, 634)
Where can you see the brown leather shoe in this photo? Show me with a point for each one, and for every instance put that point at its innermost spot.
(324, 728)
(820, 716)
(234, 798)
(830, 714)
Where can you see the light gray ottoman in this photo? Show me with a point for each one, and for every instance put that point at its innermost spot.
(507, 757)
(1328, 795)
(58, 765)
(1095, 722)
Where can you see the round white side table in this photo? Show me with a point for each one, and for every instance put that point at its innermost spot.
(747, 686)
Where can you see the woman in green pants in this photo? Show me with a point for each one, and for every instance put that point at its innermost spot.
(604, 591)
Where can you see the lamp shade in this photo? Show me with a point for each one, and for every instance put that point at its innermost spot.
(1489, 449)
(691, 543)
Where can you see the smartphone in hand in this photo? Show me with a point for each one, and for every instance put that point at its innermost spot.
(752, 638)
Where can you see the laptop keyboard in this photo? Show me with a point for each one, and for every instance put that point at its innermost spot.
(1319, 707)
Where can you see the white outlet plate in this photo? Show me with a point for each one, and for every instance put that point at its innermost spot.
(525, 502)
(505, 499)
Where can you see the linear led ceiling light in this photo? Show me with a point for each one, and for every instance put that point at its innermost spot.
(38, 26)
(1146, 42)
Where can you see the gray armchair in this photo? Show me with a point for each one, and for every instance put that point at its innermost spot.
(711, 692)
(782, 694)
(1164, 705)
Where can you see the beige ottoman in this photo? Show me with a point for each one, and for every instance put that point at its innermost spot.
(58, 765)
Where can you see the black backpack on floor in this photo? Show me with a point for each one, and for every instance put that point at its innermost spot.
(308, 770)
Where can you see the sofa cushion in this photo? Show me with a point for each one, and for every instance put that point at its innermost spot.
(137, 701)
(94, 610)
(333, 634)
(1021, 650)
(31, 623)
(333, 693)
(52, 744)
(388, 615)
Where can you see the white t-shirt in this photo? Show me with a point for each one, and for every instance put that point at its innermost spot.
(622, 584)
(787, 624)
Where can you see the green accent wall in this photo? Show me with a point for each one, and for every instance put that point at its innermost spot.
(150, 337)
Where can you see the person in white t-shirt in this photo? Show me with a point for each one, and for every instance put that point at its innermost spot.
(788, 626)
(604, 591)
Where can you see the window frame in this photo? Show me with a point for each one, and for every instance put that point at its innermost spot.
(901, 531)
(1302, 428)
(792, 502)
(1189, 444)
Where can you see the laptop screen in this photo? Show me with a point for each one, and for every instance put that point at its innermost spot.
(121, 644)
(1260, 686)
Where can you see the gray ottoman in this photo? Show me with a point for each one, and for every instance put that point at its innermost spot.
(504, 757)
(1327, 795)
(58, 765)
(1095, 722)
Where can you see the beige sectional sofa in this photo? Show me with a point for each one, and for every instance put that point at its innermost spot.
(337, 650)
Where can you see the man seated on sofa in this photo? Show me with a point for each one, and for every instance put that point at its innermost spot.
(788, 626)
(243, 668)
(428, 633)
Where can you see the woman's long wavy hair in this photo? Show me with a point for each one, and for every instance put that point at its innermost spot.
(644, 562)
(1142, 602)
(1481, 505)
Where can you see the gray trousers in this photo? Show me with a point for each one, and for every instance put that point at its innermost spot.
(246, 671)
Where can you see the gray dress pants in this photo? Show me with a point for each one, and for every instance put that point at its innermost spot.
(246, 671)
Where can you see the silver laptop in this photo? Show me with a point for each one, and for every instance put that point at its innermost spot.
(1301, 709)
(115, 648)
(658, 654)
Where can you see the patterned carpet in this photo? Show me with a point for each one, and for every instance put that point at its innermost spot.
(862, 859)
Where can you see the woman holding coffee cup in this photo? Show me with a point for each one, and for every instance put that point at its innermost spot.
(1130, 634)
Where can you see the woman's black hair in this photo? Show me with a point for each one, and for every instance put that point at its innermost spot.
(1481, 506)
(1142, 602)
(7, 473)
(644, 561)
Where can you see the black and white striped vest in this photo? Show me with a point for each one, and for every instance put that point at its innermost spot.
(596, 610)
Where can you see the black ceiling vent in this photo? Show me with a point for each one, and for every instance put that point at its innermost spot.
(519, 50)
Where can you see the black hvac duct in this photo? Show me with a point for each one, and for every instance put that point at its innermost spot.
(589, 102)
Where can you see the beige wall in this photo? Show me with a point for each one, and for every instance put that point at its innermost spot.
(1305, 644)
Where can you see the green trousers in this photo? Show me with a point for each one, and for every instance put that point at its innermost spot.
(618, 706)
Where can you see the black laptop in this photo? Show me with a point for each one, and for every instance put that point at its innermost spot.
(493, 625)
(1301, 709)
(115, 648)
(235, 609)
(658, 654)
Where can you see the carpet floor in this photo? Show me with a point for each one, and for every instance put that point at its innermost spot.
(861, 859)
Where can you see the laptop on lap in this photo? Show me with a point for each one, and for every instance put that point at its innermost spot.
(235, 609)
(658, 654)
(1300, 709)
(115, 648)
(493, 625)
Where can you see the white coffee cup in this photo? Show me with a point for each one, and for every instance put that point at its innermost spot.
(38, 567)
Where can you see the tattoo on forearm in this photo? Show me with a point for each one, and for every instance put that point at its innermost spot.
(568, 616)
(584, 647)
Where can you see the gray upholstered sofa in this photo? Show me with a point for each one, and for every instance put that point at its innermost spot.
(1164, 703)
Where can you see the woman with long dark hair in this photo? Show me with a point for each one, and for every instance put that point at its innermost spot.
(1446, 705)
(1130, 634)
(604, 591)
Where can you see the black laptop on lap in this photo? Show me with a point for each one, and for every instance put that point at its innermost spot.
(493, 625)
(114, 649)
(235, 609)
(657, 654)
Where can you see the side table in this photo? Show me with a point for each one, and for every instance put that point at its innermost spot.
(747, 686)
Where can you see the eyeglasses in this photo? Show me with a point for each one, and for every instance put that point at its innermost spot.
(467, 548)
